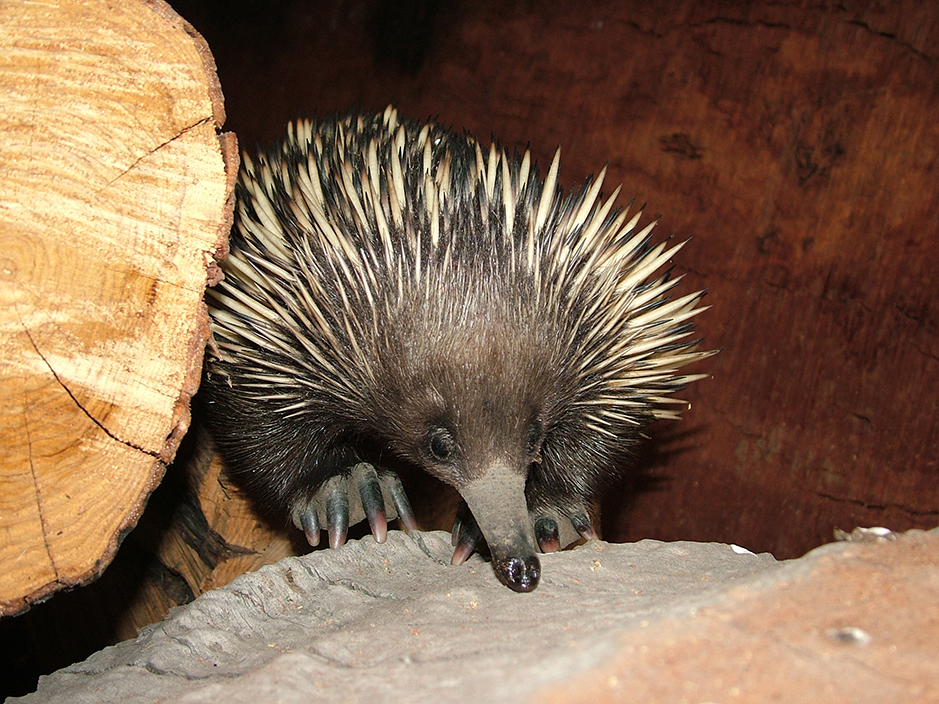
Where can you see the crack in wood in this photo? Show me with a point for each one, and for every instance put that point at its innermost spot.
(151, 453)
(876, 507)
(184, 131)
(892, 37)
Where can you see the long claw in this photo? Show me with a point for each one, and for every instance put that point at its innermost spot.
(466, 535)
(582, 524)
(401, 503)
(337, 517)
(348, 497)
(310, 526)
(373, 504)
(546, 533)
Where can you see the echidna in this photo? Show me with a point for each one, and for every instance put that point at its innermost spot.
(395, 293)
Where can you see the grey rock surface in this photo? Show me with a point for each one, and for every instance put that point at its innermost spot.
(396, 622)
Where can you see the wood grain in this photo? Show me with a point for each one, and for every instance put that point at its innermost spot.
(113, 201)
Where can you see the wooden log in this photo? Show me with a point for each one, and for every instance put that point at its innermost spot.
(115, 200)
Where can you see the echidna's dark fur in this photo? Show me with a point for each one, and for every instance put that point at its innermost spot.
(394, 291)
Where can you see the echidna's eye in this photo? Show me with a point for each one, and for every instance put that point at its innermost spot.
(441, 444)
(535, 435)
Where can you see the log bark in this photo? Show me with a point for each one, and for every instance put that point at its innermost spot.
(114, 202)
(200, 532)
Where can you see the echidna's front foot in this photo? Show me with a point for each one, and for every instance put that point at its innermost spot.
(556, 530)
(348, 498)
(553, 530)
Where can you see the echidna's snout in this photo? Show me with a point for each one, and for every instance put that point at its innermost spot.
(496, 499)
(520, 574)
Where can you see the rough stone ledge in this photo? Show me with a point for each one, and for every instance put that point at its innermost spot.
(649, 622)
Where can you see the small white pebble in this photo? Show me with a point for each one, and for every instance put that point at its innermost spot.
(740, 551)
(880, 530)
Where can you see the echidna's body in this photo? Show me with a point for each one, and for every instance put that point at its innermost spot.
(396, 293)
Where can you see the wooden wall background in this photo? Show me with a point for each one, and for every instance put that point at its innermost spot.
(796, 143)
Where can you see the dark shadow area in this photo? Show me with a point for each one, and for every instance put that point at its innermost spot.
(647, 473)
(402, 31)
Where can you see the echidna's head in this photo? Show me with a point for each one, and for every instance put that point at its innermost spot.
(471, 400)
